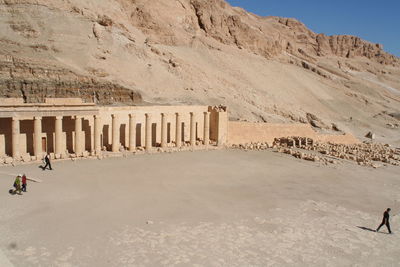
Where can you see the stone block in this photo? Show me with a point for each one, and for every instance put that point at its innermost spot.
(26, 158)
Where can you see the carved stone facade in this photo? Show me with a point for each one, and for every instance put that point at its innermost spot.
(70, 128)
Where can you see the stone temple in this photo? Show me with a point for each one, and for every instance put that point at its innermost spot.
(70, 128)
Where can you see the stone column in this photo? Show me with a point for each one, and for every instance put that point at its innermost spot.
(115, 134)
(58, 136)
(132, 132)
(163, 130)
(222, 128)
(192, 130)
(148, 133)
(178, 133)
(78, 135)
(206, 136)
(97, 133)
(37, 135)
(15, 130)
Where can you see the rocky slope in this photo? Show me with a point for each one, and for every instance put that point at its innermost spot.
(197, 52)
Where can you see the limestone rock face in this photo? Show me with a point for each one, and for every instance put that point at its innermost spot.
(34, 81)
(229, 28)
(351, 47)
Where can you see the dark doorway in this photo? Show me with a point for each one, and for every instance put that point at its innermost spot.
(105, 136)
(48, 128)
(139, 134)
(183, 132)
(68, 126)
(86, 128)
(197, 131)
(168, 132)
(122, 134)
(154, 134)
(44, 144)
(27, 128)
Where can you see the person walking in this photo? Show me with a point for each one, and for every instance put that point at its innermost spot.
(47, 161)
(17, 184)
(385, 221)
(24, 183)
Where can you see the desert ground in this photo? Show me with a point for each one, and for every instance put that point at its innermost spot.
(209, 208)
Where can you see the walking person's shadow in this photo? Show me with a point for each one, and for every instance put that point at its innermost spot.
(366, 228)
(369, 229)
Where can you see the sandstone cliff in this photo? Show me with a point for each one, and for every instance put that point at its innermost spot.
(197, 52)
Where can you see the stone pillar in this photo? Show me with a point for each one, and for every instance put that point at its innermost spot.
(58, 136)
(219, 125)
(115, 134)
(132, 132)
(300, 144)
(206, 137)
(178, 133)
(222, 128)
(97, 133)
(163, 130)
(148, 133)
(37, 135)
(15, 130)
(192, 130)
(78, 135)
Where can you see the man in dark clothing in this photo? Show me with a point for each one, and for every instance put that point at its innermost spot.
(47, 161)
(385, 221)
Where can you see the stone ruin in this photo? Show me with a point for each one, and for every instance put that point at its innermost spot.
(69, 128)
(364, 154)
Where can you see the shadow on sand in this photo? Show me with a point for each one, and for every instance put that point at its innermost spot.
(371, 230)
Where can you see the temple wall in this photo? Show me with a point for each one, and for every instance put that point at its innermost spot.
(155, 112)
(25, 119)
(247, 132)
(346, 139)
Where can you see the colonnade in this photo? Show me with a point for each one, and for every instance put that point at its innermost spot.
(37, 136)
(115, 133)
(148, 131)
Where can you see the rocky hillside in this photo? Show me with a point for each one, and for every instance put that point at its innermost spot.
(197, 52)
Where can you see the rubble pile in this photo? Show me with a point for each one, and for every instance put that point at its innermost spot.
(305, 156)
(252, 146)
(364, 154)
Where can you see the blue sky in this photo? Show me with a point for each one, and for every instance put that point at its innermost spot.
(374, 21)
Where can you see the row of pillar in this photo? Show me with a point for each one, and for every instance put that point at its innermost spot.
(37, 135)
(148, 131)
(78, 148)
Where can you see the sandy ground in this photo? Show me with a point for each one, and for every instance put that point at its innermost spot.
(216, 208)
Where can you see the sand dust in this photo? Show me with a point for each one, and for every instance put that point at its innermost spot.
(216, 208)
